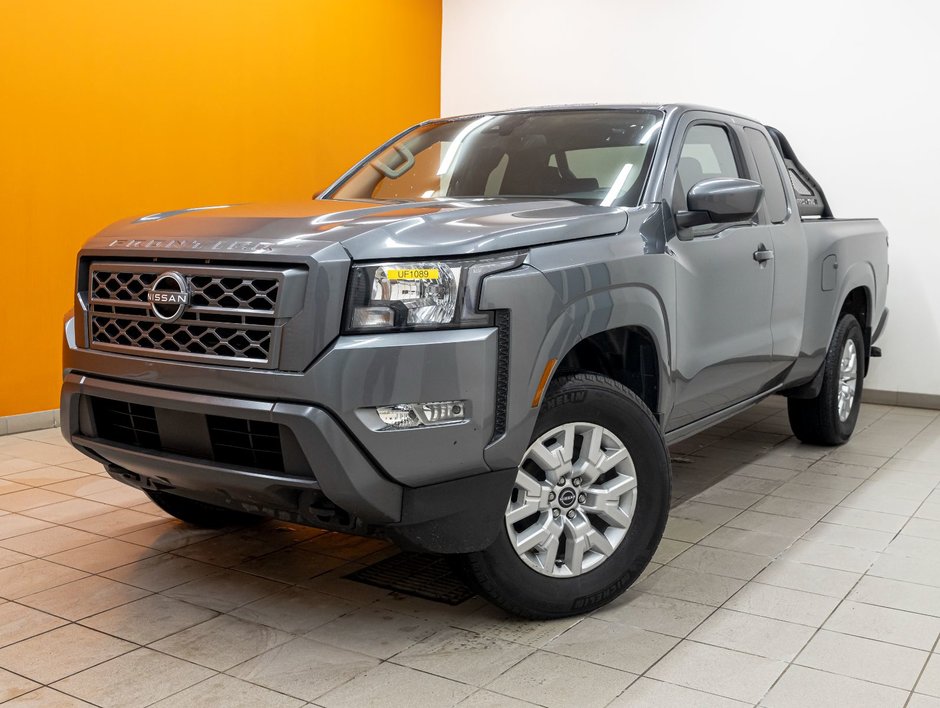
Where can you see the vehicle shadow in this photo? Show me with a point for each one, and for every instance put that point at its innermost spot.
(239, 563)
(714, 455)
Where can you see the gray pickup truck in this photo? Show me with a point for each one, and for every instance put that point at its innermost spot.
(480, 340)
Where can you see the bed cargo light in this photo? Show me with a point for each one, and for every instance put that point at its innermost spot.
(416, 415)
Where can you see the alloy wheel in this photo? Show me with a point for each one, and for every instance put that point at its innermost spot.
(848, 375)
(573, 500)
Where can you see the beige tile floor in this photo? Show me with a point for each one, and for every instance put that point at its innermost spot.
(790, 575)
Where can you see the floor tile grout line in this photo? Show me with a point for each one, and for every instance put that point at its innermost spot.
(681, 639)
(815, 633)
(149, 592)
(808, 641)
(218, 613)
(149, 647)
(131, 651)
(534, 650)
(62, 678)
(834, 673)
(863, 575)
(920, 675)
(157, 553)
(227, 675)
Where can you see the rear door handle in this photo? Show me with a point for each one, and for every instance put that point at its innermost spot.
(763, 254)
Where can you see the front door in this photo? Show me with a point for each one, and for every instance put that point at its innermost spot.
(724, 288)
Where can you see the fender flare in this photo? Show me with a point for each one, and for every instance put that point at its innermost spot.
(859, 275)
(629, 305)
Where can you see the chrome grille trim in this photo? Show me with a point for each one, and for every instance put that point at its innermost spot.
(235, 316)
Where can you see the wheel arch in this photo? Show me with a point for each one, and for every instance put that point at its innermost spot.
(621, 333)
(857, 302)
(556, 318)
(628, 355)
(857, 299)
(855, 292)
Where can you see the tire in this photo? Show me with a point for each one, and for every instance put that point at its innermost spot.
(584, 407)
(199, 513)
(821, 420)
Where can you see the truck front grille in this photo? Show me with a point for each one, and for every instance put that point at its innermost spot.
(258, 294)
(232, 441)
(230, 316)
(127, 423)
(249, 345)
(251, 443)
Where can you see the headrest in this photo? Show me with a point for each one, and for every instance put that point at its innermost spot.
(690, 172)
(580, 184)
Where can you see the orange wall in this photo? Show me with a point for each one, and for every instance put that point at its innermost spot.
(110, 108)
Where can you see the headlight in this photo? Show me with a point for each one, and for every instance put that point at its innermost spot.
(420, 295)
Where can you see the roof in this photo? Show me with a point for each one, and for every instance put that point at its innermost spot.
(665, 107)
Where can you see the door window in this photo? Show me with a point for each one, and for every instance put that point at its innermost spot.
(706, 153)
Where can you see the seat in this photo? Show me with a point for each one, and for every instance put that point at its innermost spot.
(536, 180)
(690, 173)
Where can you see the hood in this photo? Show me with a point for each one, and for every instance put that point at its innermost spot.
(368, 230)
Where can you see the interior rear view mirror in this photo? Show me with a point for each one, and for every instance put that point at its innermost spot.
(721, 201)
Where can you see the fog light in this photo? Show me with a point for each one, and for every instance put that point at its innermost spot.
(415, 415)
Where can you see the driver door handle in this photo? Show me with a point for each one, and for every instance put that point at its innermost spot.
(763, 254)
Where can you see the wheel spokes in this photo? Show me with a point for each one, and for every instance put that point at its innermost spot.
(575, 549)
(538, 534)
(606, 501)
(548, 555)
(848, 379)
(596, 459)
(613, 459)
(590, 456)
(554, 459)
(560, 519)
(522, 509)
(582, 537)
(531, 497)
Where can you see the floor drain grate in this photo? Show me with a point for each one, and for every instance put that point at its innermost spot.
(422, 575)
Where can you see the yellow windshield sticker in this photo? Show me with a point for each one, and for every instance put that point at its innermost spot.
(413, 274)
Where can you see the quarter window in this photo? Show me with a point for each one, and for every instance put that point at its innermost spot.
(799, 186)
(774, 195)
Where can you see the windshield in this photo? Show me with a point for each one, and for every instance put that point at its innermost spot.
(589, 156)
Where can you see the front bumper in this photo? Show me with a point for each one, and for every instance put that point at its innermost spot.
(328, 480)
(353, 375)
(436, 488)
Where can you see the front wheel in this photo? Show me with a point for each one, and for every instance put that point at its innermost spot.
(588, 507)
(829, 419)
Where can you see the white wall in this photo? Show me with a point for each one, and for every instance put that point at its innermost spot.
(854, 85)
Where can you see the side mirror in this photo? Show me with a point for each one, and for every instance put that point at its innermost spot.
(721, 201)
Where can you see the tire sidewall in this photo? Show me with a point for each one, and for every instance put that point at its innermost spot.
(848, 328)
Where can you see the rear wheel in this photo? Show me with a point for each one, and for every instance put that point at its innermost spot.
(199, 513)
(829, 419)
(588, 507)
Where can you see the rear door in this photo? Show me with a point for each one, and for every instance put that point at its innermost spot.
(724, 295)
(781, 220)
